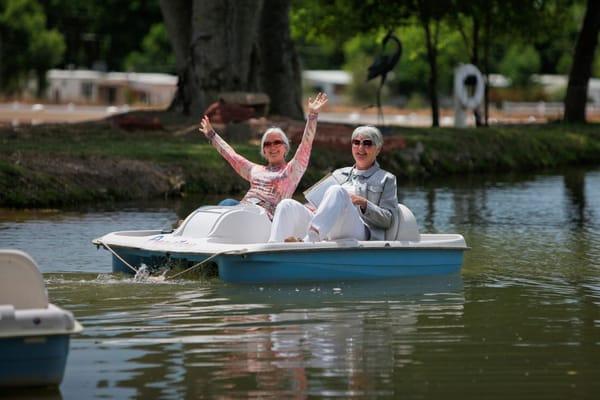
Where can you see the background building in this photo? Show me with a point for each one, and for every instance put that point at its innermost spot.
(108, 88)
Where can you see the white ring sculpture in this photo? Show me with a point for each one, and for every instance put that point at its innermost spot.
(460, 89)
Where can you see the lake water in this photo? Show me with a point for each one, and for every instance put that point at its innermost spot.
(522, 320)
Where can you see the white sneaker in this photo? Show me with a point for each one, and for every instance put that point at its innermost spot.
(312, 237)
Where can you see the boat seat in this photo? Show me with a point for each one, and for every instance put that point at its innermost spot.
(239, 224)
(21, 283)
(404, 226)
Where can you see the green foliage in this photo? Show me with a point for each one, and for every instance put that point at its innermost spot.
(555, 43)
(314, 19)
(321, 29)
(410, 76)
(156, 54)
(519, 63)
(359, 52)
(596, 65)
(411, 72)
(519, 37)
(25, 43)
(99, 32)
(416, 101)
(563, 66)
(38, 34)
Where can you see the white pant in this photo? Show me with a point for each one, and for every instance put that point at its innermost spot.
(336, 218)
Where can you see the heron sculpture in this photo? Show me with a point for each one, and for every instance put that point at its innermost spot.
(383, 64)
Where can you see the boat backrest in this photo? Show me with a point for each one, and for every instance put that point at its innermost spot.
(199, 223)
(21, 283)
(404, 226)
(228, 224)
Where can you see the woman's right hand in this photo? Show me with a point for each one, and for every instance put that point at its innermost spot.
(206, 127)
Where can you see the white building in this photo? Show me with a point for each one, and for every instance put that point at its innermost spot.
(552, 83)
(95, 87)
(81, 86)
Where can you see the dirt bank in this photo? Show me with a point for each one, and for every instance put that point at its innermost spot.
(149, 155)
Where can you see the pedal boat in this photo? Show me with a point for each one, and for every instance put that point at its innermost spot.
(34, 334)
(235, 239)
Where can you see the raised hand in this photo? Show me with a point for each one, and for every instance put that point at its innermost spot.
(315, 105)
(206, 127)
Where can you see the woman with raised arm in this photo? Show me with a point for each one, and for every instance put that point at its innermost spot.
(277, 180)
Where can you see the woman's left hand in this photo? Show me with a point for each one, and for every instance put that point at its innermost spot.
(315, 105)
(359, 201)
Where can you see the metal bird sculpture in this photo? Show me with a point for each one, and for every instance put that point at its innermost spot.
(383, 64)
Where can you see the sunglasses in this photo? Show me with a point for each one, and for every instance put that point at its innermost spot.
(365, 143)
(273, 143)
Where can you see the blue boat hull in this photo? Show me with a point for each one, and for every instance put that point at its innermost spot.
(336, 265)
(33, 360)
(312, 265)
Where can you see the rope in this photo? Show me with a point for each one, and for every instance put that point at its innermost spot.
(107, 247)
(206, 260)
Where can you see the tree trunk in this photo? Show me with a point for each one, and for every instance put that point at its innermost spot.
(176, 14)
(432, 59)
(576, 98)
(486, 65)
(233, 45)
(280, 72)
(224, 48)
(42, 82)
(475, 62)
(1, 66)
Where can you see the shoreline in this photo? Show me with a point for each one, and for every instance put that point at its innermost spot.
(63, 165)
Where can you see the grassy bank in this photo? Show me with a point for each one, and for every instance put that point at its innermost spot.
(63, 165)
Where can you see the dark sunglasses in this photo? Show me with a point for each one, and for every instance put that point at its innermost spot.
(273, 143)
(366, 143)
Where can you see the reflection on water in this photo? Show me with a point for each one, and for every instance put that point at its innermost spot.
(209, 338)
(521, 321)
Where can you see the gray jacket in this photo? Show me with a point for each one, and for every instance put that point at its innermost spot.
(379, 188)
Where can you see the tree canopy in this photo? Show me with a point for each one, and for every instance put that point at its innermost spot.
(514, 37)
(101, 34)
(26, 44)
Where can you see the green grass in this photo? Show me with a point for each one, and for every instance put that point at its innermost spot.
(429, 152)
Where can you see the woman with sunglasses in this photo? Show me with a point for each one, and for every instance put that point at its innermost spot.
(277, 180)
(360, 204)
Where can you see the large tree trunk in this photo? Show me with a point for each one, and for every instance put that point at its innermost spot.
(233, 45)
(581, 70)
(224, 48)
(176, 14)
(280, 72)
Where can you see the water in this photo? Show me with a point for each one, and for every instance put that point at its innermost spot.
(522, 320)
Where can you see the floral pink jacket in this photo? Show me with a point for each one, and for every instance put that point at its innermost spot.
(270, 185)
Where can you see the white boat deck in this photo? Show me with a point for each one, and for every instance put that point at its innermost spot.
(154, 241)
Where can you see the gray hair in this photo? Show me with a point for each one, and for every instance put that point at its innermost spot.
(284, 138)
(369, 132)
